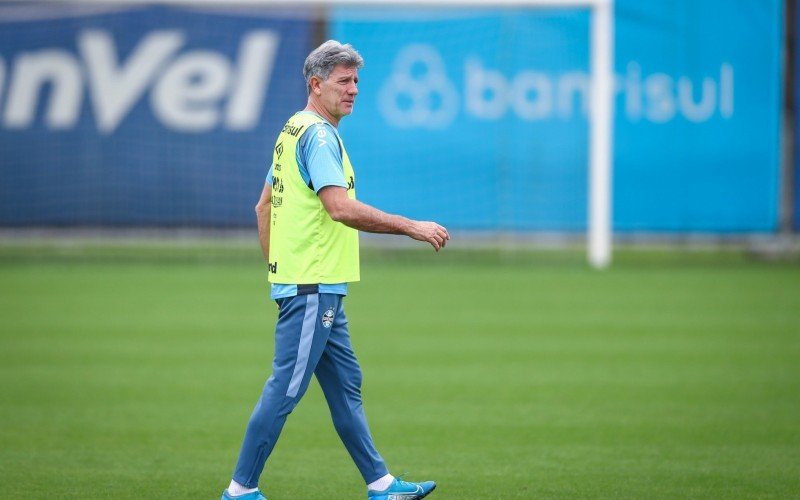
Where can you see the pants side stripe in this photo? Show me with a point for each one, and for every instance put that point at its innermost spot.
(304, 349)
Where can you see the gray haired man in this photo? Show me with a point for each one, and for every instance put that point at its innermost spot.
(308, 223)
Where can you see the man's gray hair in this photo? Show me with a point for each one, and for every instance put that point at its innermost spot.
(321, 61)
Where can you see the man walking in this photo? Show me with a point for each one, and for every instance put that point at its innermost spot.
(308, 222)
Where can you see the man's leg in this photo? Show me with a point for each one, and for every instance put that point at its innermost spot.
(340, 378)
(300, 339)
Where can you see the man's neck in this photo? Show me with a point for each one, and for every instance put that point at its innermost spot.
(314, 107)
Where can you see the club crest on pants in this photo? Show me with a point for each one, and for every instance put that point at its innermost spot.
(327, 318)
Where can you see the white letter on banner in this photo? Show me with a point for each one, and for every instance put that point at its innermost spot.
(633, 92)
(31, 72)
(570, 85)
(114, 90)
(253, 71)
(703, 110)
(538, 107)
(186, 98)
(478, 82)
(726, 90)
(660, 100)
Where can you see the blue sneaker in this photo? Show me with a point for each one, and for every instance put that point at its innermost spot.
(402, 490)
(256, 495)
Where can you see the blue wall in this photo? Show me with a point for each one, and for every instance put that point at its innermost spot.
(478, 120)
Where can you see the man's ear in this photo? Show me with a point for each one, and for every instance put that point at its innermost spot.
(315, 85)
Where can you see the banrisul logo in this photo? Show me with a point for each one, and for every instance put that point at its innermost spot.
(191, 91)
(427, 90)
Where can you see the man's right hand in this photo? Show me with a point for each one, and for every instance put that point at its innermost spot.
(431, 232)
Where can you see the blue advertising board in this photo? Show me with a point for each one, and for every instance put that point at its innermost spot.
(478, 119)
(142, 116)
(156, 116)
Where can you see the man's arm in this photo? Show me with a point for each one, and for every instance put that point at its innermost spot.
(263, 214)
(363, 217)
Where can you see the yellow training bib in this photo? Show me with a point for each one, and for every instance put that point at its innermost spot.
(306, 246)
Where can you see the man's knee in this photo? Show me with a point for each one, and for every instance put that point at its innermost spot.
(269, 408)
(355, 379)
(276, 396)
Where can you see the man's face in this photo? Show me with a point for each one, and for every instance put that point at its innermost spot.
(339, 91)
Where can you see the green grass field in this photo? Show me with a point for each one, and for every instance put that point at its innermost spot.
(497, 375)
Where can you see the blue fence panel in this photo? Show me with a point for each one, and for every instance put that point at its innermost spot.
(142, 116)
(478, 118)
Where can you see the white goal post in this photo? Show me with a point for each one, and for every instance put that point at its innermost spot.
(599, 244)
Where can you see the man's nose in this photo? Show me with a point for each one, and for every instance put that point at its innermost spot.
(353, 90)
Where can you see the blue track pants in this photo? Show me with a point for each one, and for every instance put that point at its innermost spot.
(311, 337)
